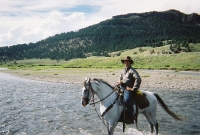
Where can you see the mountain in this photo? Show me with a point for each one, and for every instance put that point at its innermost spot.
(121, 32)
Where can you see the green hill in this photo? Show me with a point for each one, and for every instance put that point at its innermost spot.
(129, 31)
(143, 59)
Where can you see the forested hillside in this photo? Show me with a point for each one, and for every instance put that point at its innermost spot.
(118, 33)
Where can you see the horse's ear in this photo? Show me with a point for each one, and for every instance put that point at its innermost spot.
(87, 80)
(97, 82)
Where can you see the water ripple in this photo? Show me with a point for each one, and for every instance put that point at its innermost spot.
(34, 107)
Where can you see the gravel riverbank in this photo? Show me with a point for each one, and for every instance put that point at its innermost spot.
(187, 80)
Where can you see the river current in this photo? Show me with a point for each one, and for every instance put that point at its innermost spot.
(40, 108)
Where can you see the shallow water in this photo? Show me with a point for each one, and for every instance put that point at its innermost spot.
(32, 107)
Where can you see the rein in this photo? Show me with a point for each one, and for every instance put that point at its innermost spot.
(101, 99)
(107, 109)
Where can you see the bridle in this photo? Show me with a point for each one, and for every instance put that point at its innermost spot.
(88, 89)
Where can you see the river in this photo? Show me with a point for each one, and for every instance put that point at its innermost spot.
(40, 108)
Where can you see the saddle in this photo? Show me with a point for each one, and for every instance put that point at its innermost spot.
(141, 99)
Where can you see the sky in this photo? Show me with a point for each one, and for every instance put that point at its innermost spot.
(29, 21)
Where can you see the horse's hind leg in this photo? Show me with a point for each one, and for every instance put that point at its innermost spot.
(151, 126)
(156, 127)
(152, 122)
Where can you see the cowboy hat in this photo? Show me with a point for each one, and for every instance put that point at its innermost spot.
(127, 58)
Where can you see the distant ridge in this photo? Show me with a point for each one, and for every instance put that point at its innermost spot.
(121, 32)
(169, 15)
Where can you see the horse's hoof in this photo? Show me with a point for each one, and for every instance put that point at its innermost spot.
(131, 121)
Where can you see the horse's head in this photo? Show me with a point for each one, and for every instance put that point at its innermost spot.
(87, 92)
(96, 86)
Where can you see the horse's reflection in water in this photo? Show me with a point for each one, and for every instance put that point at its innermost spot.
(110, 108)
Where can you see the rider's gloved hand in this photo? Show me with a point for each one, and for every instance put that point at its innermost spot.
(119, 83)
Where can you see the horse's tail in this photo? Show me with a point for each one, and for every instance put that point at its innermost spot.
(166, 108)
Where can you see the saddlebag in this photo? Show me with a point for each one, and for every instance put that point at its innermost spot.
(141, 101)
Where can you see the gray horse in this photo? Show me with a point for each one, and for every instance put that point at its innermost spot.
(107, 96)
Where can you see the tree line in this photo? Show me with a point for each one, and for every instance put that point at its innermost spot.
(115, 34)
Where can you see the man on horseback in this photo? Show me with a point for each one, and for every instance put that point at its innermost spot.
(130, 80)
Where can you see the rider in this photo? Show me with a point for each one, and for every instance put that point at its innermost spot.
(130, 79)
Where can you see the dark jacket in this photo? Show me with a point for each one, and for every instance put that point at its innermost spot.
(130, 78)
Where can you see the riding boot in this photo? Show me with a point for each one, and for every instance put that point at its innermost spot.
(131, 120)
(129, 104)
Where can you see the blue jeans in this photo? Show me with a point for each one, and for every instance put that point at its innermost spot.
(129, 102)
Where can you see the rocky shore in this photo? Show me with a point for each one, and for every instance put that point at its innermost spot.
(169, 79)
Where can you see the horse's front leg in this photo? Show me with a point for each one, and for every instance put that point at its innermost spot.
(110, 130)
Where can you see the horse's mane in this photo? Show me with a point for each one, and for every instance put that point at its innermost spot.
(101, 80)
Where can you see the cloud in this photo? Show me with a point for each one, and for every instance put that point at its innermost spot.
(42, 25)
(32, 21)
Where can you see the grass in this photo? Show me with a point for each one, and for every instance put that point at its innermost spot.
(142, 60)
